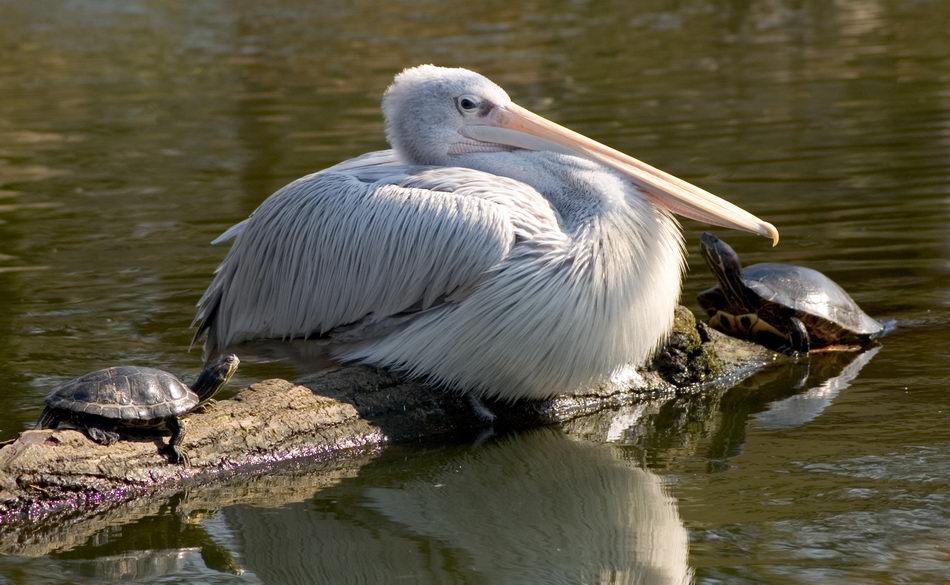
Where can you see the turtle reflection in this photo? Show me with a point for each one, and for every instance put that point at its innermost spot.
(155, 546)
(783, 397)
(802, 408)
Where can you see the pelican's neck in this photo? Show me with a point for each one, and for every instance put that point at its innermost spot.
(611, 227)
(581, 191)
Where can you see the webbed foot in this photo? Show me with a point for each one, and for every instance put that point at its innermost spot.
(481, 409)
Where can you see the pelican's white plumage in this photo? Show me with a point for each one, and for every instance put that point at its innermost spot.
(475, 254)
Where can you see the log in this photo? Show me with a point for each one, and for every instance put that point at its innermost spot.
(327, 417)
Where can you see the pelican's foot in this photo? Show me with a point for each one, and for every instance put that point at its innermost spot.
(483, 412)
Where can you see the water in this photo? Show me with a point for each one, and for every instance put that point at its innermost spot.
(132, 133)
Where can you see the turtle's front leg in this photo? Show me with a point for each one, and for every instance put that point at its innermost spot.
(50, 419)
(799, 342)
(175, 453)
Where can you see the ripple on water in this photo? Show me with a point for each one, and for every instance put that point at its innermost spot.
(924, 464)
(883, 515)
(909, 540)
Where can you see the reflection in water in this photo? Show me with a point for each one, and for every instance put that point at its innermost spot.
(133, 565)
(164, 544)
(801, 408)
(123, 545)
(533, 508)
(787, 396)
(832, 513)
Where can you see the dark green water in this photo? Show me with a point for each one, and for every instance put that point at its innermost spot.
(132, 133)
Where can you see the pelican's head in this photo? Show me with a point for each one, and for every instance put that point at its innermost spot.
(428, 107)
(435, 113)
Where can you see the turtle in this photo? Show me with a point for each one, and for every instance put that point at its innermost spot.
(792, 309)
(132, 397)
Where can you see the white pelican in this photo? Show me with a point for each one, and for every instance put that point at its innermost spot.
(490, 250)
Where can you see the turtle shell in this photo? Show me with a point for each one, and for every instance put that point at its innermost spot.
(815, 298)
(125, 393)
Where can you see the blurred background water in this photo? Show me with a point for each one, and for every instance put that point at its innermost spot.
(132, 133)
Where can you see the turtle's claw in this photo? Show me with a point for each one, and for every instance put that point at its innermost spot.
(177, 457)
(204, 406)
(799, 342)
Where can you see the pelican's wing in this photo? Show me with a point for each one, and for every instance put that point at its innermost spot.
(363, 242)
(380, 162)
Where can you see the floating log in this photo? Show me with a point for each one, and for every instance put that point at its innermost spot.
(331, 414)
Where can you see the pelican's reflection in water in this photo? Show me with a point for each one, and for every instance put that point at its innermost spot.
(537, 507)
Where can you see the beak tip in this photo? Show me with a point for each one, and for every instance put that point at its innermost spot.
(769, 231)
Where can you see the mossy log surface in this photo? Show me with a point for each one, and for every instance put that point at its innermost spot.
(336, 414)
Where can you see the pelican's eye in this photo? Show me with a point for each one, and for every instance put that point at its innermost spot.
(466, 104)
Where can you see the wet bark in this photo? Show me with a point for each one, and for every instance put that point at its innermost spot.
(330, 415)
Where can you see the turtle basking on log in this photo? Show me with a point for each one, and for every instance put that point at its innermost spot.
(131, 397)
(787, 308)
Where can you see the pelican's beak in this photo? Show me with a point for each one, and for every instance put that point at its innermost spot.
(515, 126)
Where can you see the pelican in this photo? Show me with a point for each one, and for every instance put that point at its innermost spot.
(489, 250)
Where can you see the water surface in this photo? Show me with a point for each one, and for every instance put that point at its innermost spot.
(132, 133)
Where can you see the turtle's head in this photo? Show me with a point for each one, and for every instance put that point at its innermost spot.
(215, 375)
(721, 259)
